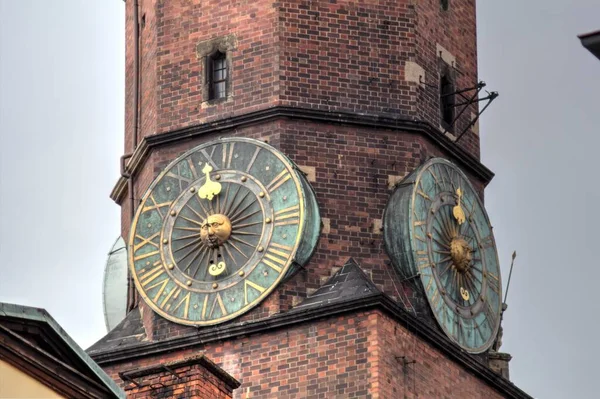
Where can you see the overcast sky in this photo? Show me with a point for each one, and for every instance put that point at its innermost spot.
(61, 136)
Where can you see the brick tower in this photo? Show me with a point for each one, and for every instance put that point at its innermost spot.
(357, 94)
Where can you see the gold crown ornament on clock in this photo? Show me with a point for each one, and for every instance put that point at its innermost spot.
(438, 236)
(219, 228)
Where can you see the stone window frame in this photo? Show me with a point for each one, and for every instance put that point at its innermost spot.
(446, 71)
(216, 62)
(205, 50)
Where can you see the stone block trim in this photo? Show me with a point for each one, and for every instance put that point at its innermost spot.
(309, 172)
(393, 180)
(499, 363)
(326, 222)
(445, 55)
(377, 226)
(475, 127)
(225, 45)
(415, 73)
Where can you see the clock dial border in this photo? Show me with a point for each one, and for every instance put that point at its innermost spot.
(278, 260)
(412, 232)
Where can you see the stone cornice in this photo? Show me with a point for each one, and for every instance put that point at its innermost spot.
(190, 361)
(375, 301)
(458, 154)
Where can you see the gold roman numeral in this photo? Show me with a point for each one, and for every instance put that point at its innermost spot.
(144, 256)
(204, 306)
(277, 256)
(252, 159)
(192, 167)
(435, 178)
(494, 282)
(172, 294)
(490, 313)
(209, 157)
(146, 241)
(422, 194)
(424, 266)
(218, 300)
(435, 300)
(152, 274)
(420, 238)
(162, 284)
(281, 178)
(287, 216)
(429, 285)
(183, 181)
(423, 259)
(462, 337)
(186, 307)
(155, 205)
(252, 285)
(181, 178)
(487, 242)
(479, 330)
(227, 154)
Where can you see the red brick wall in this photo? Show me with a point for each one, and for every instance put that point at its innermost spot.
(148, 76)
(172, 71)
(188, 382)
(352, 167)
(327, 55)
(129, 78)
(347, 55)
(342, 55)
(348, 356)
(456, 31)
(427, 373)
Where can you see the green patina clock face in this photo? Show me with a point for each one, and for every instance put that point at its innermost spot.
(437, 230)
(219, 228)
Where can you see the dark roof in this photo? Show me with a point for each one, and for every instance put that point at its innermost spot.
(591, 41)
(127, 332)
(32, 341)
(349, 283)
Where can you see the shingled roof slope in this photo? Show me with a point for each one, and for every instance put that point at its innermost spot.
(349, 283)
(127, 332)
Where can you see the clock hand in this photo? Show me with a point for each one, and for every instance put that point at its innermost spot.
(210, 188)
(457, 211)
(217, 268)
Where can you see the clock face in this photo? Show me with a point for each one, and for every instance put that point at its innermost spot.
(437, 230)
(219, 228)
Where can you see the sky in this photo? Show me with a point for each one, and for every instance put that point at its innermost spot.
(61, 136)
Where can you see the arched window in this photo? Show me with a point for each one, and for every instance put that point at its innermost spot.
(217, 75)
